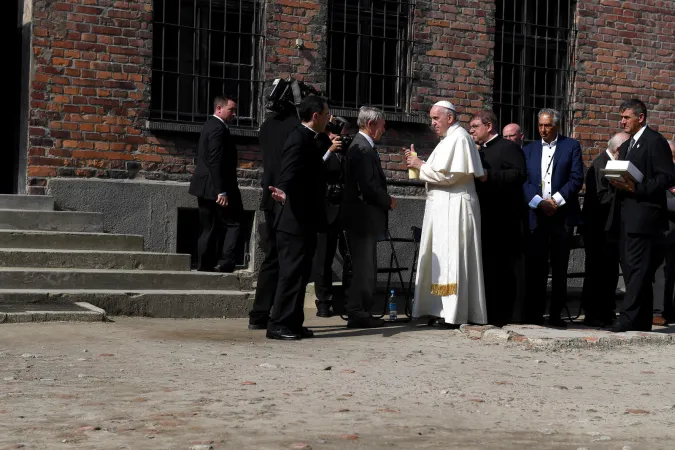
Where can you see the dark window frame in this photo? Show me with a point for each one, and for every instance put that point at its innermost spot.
(368, 26)
(204, 48)
(535, 45)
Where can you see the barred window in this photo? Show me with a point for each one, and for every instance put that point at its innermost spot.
(205, 48)
(369, 53)
(534, 43)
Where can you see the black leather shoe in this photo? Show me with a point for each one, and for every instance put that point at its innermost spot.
(323, 309)
(556, 322)
(282, 334)
(257, 326)
(619, 328)
(437, 322)
(224, 268)
(306, 333)
(366, 322)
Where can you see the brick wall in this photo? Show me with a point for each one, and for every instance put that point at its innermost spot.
(625, 50)
(91, 75)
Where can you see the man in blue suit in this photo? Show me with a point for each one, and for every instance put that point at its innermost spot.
(555, 175)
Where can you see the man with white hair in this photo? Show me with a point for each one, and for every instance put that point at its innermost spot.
(602, 254)
(366, 206)
(449, 284)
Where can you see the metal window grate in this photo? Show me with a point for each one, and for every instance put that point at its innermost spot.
(534, 68)
(370, 50)
(204, 48)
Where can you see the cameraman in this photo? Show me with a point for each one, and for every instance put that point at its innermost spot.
(278, 125)
(328, 240)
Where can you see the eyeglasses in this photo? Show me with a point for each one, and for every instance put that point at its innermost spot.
(473, 127)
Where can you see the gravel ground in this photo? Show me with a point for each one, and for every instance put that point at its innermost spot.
(181, 384)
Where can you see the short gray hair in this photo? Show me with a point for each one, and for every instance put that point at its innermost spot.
(368, 114)
(551, 112)
(618, 139)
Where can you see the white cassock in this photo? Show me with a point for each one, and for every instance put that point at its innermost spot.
(449, 282)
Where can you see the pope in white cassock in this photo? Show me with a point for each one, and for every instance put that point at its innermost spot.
(449, 283)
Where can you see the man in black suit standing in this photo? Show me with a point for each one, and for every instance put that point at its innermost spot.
(272, 135)
(299, 193)
(503, 214)
(214, 183)
(602, 253)
(639, 215)
(366, 206)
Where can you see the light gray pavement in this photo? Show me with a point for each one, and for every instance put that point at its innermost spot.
(174, 384)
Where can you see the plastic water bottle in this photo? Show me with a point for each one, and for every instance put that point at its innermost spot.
(392, 306)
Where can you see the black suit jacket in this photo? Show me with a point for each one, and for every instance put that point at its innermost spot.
(302, 178)
(216, 168)
(273, 134)
(503, 207)
(598, 197)
(644, 211)
(366, 201)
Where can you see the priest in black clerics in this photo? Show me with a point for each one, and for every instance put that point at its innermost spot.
(503, 212)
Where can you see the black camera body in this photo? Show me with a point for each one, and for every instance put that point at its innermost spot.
(336, 126)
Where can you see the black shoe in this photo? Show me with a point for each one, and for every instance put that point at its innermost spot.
(556, 322)
(594, 323)
(323, 309)
(618, 327)
(365, 322)
(257, 326)
(306, 333)
(282, 334)
(224, 268)
(437, 322)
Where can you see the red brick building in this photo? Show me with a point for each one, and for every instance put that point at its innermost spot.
(110, 89)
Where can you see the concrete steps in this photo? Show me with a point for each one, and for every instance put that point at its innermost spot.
(125, 280)
(93, 259)
(151, 303)
(59, 240)
(31, 202)
(53, 261)
(14, 219)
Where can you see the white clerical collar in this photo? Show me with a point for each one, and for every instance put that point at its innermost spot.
(489, 140)
(221, 120)
(315, 133)
(368, 138)
(637, 135)
(553, 143)
(611, 155)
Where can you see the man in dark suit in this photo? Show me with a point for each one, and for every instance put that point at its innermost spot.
(602, 254)
(639, 216)
(366, 206)
(214, 183)
(299, 193)
(272, 135)
(555, 175)
(664, 283)
(503, 220)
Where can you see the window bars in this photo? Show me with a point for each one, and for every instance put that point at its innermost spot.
(370, 53)
(204, 48)
(534, 53)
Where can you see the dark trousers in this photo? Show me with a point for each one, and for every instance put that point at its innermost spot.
(504, 275)
(218, 235)
(295, 265)
(268, 276)
(326, 245)
(641, 255)
(602, 277)
(360, 294)
(549, 242)
(664, 280)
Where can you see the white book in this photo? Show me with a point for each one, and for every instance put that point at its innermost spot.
(622, 170)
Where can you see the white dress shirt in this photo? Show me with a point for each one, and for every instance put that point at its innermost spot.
(636, 137)
(547, 153)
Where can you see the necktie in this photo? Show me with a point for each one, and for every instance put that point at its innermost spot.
(630, 146)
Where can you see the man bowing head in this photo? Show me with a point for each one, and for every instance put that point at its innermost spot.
(449, 285)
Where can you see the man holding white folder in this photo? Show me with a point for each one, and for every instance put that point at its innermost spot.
(638, 216)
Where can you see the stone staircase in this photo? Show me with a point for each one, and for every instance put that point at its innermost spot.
(54, 260)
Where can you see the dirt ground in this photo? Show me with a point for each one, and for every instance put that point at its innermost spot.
(181, 384)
